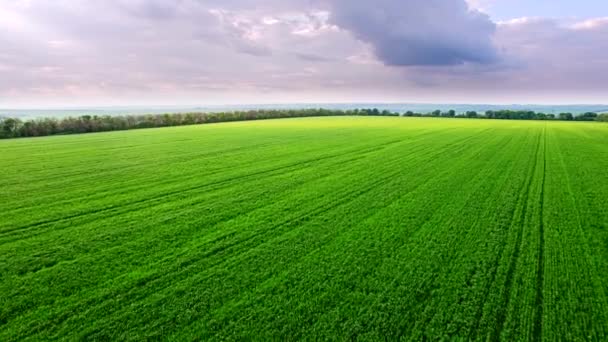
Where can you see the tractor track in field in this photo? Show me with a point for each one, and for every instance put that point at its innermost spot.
(7, 231)
(212, 185)
(183, 267)
(5, 234)
(502, 312)
(320, 210)
(411, 229)
(180, 270)
(540, 275)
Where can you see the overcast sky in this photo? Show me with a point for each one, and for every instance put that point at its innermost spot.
(198, 52)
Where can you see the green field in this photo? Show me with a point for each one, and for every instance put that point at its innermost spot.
(318, 228)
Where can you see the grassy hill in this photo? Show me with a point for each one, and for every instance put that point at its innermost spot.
(318, 228)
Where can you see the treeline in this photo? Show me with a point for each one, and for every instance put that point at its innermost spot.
(14, 127)
(514, 115)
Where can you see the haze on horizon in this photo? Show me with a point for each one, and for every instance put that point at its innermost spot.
(205, 52)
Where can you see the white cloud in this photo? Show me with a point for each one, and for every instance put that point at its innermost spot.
(591, 24)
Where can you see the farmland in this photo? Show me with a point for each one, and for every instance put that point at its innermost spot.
(315, 228)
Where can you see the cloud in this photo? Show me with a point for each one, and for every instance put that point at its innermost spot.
(419, 32)
(558, 54)
(153, 9)
(241, 32)
(311, 57)
(592, 24)
(543, 60)
(210, 51)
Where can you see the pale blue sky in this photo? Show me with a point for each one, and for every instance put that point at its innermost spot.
(509, 9)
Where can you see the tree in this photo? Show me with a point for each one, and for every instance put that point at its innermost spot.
(449, 114)
(10, 127)
(13, 127)
(589, 116)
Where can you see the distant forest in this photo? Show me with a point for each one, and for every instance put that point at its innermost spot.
(15, 128)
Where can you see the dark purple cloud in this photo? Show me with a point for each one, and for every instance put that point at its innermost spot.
(419, 32)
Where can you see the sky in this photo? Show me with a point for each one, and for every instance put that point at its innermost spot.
(509, 9)
(68, 53)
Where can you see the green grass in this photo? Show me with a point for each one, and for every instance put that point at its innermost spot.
(316, 228)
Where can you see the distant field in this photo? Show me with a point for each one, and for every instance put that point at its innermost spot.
(316, 228)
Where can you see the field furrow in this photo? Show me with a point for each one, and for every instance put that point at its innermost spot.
(347, 228)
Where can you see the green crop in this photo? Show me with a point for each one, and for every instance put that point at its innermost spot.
(367, 228)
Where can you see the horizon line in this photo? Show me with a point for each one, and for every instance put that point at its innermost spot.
(194, 106)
